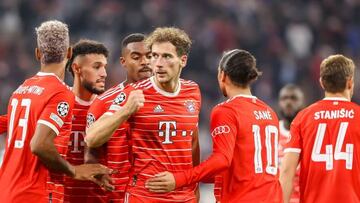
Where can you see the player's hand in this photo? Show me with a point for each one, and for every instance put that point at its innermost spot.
(161, 183)
(96, 173)
(135, 101)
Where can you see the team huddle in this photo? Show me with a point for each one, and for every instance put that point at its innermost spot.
(138, 141)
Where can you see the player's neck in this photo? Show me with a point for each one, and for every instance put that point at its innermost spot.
(81, 92)
(234, 91)
(344, 94)
(170, 86)
(56, 68)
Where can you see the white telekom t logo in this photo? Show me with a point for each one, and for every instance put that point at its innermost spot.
(167, 132)
(76, 143)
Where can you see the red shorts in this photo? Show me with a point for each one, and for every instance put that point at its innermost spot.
(137, 199)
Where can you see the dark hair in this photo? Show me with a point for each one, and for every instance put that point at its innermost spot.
(84, 47)
(335, 71)
(131, 38)
(240, 66)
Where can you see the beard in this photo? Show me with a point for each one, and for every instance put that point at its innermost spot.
(288, 117)
(91, 88)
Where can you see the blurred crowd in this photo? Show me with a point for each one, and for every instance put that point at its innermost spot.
(288, 38)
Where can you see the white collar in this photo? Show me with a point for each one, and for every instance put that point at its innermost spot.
(83, 102)
(244, 95)
(49, 74)
(165, 93)
(336, 98)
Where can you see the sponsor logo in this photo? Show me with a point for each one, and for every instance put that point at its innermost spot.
(220, 130)
(63, 109)
(120, 98)
(158, 109)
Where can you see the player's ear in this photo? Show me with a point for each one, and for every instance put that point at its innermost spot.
(37, 54)
(69, 53)
(183, 60)
(75, 68)
(350, 83)
(122, 62)
(321, 83)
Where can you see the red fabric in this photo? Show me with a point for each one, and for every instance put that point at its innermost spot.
(161, 135)
(234, 125)
(115, 153)
(48, 101)
(339, 182)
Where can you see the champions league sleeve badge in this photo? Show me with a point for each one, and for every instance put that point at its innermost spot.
(120, 98)
(63, 109)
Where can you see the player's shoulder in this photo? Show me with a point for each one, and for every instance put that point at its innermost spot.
(110, 93)
(188, 83)
(139, 85)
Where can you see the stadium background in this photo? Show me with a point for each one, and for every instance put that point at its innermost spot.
(288, 38)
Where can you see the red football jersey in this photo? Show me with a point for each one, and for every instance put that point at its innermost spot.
(245, 141)
(62, 188)
(284, 138)
(3, 124)
(161, 135)
(327, 136)
(43, 99)
(115, 153)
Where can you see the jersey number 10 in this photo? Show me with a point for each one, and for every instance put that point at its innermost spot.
(329, 155)
(272, 159)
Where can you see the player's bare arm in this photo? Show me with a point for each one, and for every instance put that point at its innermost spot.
(101, 131)
(42, 145)
(287, 173)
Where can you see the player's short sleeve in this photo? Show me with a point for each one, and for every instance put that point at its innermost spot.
(96, 110)
(294, 144)
(58, 111)
(120, 100)
(3, 123)
(223, 128)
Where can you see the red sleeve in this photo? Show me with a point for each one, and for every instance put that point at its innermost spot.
(58, 112)
(96, 110)
(223, 131)
(294, 145)
(3, 124)
(120, 100)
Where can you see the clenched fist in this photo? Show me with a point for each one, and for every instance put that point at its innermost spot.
(135, 101)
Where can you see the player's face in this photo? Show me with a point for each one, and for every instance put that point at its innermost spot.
(93, 72)
(136, 59)
(166, 63)
(291, 102)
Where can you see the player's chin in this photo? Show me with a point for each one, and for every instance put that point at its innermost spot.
(98, 90)
(144, 75)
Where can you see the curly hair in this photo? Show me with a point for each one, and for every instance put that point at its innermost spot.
(52, 41)
(174, 35)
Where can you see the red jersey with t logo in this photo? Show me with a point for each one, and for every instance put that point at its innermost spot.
(114, 153)
(327, 136)
(161, 135)
(43, 99)
(245, 156)
(63, 188)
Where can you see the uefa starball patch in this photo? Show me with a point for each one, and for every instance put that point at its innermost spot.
(63, 109)
(120, 98)
(90, 119)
